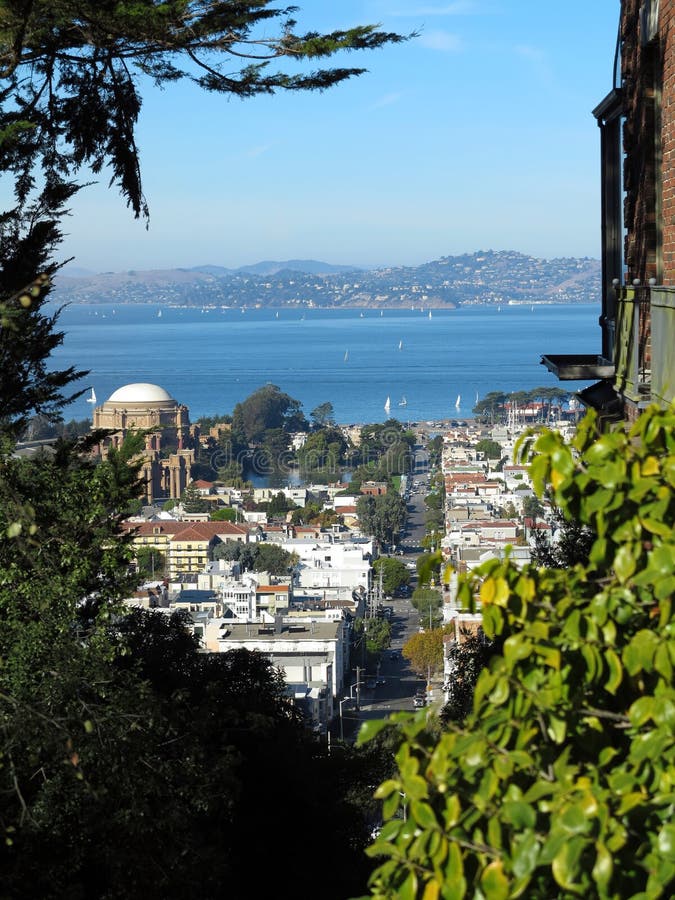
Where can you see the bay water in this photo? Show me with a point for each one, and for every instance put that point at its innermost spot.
(211, 359)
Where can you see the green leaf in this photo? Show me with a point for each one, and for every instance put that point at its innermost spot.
(525, 854)
(662, 662)
(408, 890)
(603, 867)
(494, 882)
(639, 654)
(519, 814)
(557, 729)
(666, 842)
(565, 866)
(624, 563)
(500, 692)
(454, 883)
(574, 820)
(386, 788)
(423, 814)
(615, 671)
(370, 729)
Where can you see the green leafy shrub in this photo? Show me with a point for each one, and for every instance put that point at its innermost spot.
(560, 782)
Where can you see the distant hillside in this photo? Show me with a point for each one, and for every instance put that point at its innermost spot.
(490, 276)
(309, 266)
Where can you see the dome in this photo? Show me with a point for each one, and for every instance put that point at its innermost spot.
(140, 393)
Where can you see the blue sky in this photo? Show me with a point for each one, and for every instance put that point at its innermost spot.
(478, 134)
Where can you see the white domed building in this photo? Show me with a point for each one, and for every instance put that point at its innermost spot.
(168, 439)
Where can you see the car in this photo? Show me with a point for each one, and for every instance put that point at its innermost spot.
(394, 654)
(419, 702)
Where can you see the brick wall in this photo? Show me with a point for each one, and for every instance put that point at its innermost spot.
(667, 50)
(648, 78)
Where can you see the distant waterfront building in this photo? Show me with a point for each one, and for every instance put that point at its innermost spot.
(169, 440)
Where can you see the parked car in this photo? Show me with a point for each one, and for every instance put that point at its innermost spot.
(419, 702)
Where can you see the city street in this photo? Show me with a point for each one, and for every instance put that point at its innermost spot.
(396, 682)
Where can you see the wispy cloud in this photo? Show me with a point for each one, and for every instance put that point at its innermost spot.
(534, 54)
(440, 40)
(537, 58)
(260, 150)
(387, 100)
(458, 8)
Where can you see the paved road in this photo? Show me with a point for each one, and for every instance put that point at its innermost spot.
(399, 682)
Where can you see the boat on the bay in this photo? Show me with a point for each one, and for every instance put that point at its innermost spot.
(403, 401)
(387, 405)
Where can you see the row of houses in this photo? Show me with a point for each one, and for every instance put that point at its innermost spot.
(478, 493)
(301, 620)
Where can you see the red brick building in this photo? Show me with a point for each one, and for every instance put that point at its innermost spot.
(636, 364)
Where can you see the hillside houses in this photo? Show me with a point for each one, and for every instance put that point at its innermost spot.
(300, 620)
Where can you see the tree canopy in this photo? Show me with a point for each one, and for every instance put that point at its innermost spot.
(72, 76)
(559, 781)
(394, 573)
(267, 409)
(383, 516)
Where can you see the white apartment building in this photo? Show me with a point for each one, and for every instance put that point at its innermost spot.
(333, 569)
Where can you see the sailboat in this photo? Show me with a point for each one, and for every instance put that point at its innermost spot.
(429, 313)
(276, 316)
(458, 401)
(403, 401)
(400, 345)
(387, 405)
(92, 398)
(159, 314)
(346, 355)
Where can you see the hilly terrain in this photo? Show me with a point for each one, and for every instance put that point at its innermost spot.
(491, 276)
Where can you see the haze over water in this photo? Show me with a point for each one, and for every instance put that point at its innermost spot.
(212, 359)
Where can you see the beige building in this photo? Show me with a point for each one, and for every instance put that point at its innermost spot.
(186, 546)
(168, 440)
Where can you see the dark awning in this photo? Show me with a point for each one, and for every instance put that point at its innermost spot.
(578, 366)
(603, 399)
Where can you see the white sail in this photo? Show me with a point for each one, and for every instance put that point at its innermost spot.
(387, 405)
(92, 398)
(403, 401)
(429, 313)
(458, 401)
(400, 345)
(346, 355)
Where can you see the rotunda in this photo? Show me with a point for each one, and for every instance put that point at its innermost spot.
(166, 423)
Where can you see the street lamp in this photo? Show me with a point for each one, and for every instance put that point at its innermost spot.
(342, 730)
(357, 685)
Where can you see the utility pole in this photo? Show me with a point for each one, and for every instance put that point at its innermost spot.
(358, 688)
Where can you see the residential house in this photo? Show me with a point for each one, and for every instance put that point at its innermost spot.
(186, 547)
